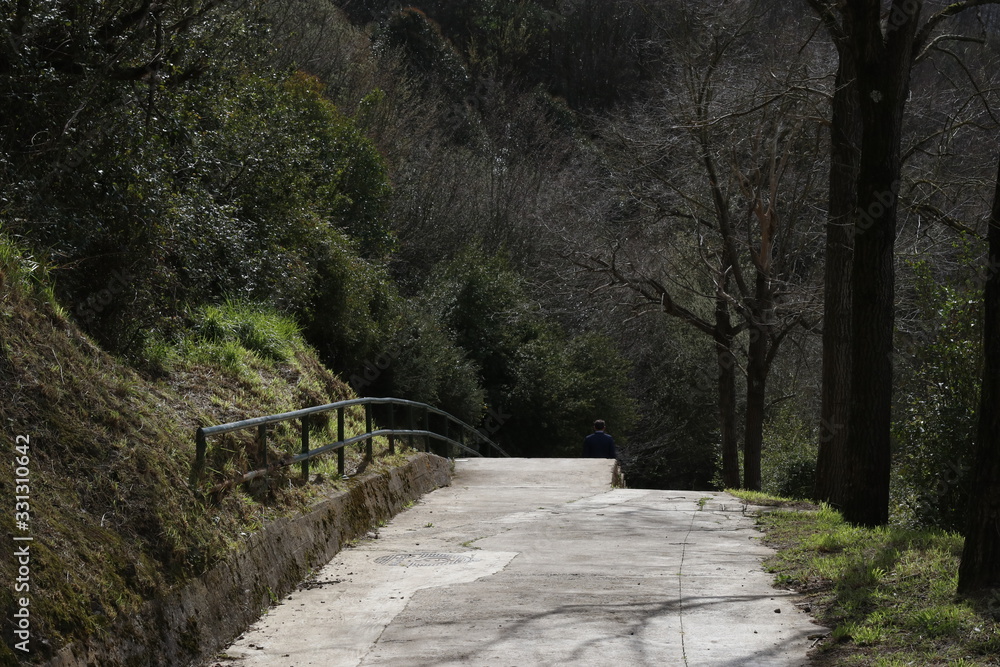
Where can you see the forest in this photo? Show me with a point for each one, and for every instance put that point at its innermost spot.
(753, 236)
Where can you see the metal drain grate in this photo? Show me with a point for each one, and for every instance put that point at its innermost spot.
(423, 559)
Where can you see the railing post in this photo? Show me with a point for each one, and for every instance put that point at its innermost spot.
(368, 429)
(200, 449)
(392, 427)
(447, 435)
(305, 449)
(427, 427)
(409, 423)
(340, 438)
(262, 444)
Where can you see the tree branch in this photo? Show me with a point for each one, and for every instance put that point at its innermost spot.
(924, 33)
(944, 218)
(944, 38)
(828, 15)
(650, 290)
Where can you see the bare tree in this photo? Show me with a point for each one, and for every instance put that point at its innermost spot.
(723, 178)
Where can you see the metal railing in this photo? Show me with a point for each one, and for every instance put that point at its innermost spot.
(462, 430)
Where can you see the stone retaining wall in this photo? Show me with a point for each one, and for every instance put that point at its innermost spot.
(205, 615)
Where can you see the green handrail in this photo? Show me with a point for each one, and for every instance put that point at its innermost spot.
(307, 453)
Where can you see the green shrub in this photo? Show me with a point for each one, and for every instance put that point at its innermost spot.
(543, 386)
(562, 384)
(788, 456)
(937, 400)
(485, 303)
(674, 378)
(353, 306)
(226, 191)
(425, 364)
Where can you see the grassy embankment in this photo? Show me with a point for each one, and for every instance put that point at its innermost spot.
(113, 520)
(888, 594)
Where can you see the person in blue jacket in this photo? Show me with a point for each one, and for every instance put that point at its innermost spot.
(599, 445)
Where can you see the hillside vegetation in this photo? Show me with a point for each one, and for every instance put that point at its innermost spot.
(113, 518)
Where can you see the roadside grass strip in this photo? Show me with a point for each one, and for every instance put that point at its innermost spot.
(889, 593)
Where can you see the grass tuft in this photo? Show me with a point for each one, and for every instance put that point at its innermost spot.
(257, 330)
(759, 497)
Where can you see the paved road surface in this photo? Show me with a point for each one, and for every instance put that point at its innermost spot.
(539, 562)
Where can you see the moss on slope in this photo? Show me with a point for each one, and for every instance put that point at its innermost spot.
(112, 517)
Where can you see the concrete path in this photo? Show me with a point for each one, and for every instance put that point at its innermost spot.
(539, 562)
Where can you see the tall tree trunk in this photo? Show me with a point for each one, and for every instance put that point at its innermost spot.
(979, 570)
(884, 64)
(727, 394)
(845, 145)
(758, 366)
(753, 438)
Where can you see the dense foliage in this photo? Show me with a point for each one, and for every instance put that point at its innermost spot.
(937, 401)
(167, 158)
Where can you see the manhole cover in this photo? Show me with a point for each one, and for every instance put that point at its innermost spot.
(424, 559)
